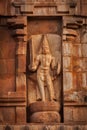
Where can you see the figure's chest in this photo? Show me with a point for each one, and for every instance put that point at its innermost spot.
(46, 60)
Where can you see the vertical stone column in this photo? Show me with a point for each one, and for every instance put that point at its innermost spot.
(84, 58)
(69, 35)
(21, 69)
(19, 31)
(74, 71)
(21, 78)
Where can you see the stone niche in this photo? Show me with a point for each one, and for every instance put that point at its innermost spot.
(43, 46)
(45, 32)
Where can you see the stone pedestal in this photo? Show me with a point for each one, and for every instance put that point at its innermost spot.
(45, 112)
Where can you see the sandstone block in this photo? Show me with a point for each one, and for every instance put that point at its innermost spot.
(21, 63)
(21, 114)
(45, 117)
(44, 106)
(68, 81)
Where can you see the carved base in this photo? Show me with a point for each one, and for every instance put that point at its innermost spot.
(45, 112)
(45, 117)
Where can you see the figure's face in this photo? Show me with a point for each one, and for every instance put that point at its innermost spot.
(45, 50)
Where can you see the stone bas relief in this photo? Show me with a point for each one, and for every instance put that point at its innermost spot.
(47, 69)
(44, 66)
(43, 63)
(19, 86)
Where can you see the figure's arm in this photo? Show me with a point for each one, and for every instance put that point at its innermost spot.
(53, 63)
(58, 68)
(35, 64)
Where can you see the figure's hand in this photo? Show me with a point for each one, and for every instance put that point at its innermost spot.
(58, 69)
(32, 67)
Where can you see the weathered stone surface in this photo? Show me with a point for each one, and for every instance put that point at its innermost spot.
(71, 32)
(20, 114)
(7, 66)
(79, 81)
(7, 84)
(67, 5)
(21, 48)
(28, 9)
(16, 91)
(46, 127)
(12, 99)
(7, 115)
(45, 10)
(1, 127)
(84, 9)
(84, 48)
(45, 117)
(67, 81)
(84, 80)
(8, 127)
(67, 49)
(84, 63)
(18, 22)
(63, 8)
(43, 112)
(18, 127)
(68, 114)
(76, 112)
(44, 27)
(74, 96)
(21, 82)
(84, 37)
(7, 44)
(5, 7)
(21, 63)
(79, 114)
(77, 50)
(77, 64)
(19, 32)
(67, 63)
(44, 106)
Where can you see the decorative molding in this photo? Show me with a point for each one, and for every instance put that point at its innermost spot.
(67, 125)
(61, 8)
(74, 104)
(13, 99)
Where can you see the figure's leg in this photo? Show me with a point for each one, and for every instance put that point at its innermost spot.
(50, 88)
(41, 88)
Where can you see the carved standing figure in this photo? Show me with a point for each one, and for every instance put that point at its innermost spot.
(43, 64)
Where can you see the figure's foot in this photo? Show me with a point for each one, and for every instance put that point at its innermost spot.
(39, 99)
(54, 99)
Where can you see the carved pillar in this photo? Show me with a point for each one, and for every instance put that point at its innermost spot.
(74, 60)
(19, 30)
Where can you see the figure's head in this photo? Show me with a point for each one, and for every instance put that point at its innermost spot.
(45, 46)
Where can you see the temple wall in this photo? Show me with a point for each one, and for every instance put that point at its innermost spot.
(16, 18)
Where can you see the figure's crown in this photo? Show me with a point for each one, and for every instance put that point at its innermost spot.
(45, 42)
